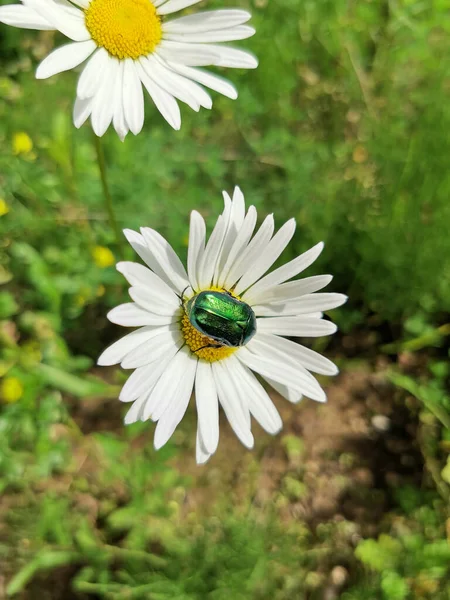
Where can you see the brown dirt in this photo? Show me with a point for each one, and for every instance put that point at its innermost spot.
(346, 465)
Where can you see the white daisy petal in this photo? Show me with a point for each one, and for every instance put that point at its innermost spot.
(233, 58)
(166, 388)
(196, 247)
(65, 58)
(139, 276)
(239, 244)
(309, 359)
(202, 55)
(92, 74)
(234, 213)
(207, 407)
(214, 82)
(241, 32)
(291, 395)
(139, 245)
(306, 382)
(143, 379)
(211, 254)
(239, 206)
(135, 412)
(283, 372)
(179, 87)
(115, 353)
(289, 291)
(81, 111)
(177, 407)
(235, 412)
(162, 339)
(175, 5)
(192, 55)
(164, 102)
(296, 326)
(251, 252)
(133, 97)
(24, 17)
(207, 21)
(68, 22)
(287, 271)
(302, 306)
(268, 256)
(201, 456)
(256, 398)
(166, 257)
(150, 302)
(158, 256)
(103, 102)
(119, 123)
(132, 315)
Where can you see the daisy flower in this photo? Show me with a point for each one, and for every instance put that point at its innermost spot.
(130, 44)
(211, 327)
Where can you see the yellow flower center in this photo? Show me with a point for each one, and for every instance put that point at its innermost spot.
(202, 346)
(125, 28)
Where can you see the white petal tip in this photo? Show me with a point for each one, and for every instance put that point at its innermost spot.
(248, 441)
(322, 398)
(103, 361)
(130, 234)
(201, 460)
(158, 444)
(121, 266)
(40, 74)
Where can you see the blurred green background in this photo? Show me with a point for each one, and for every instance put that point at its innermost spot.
(345, 126)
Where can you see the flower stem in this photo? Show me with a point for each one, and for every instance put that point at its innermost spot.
(107, 194)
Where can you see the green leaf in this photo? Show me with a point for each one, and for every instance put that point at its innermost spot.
(379, 555)
(8, 305)
(47, 559)
(394, 587)
(72, 384)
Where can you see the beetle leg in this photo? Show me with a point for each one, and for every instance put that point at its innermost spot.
(208, 346)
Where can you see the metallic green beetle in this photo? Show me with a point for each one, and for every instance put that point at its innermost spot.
(221, 317)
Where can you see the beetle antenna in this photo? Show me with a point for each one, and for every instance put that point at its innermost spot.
(181, 296)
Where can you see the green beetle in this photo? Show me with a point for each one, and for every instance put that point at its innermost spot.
(221, 317)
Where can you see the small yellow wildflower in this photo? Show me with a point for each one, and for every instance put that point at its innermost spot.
(11, 390)
(4, 208)
(103, 257)
(22, 143)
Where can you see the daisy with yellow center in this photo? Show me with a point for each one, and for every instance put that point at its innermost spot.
(207, 328)
(128, 45)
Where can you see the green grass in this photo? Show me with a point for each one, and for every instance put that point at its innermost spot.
(343, 126)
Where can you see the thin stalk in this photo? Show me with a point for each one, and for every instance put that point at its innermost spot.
(107, 194)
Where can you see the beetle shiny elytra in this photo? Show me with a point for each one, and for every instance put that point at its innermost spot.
(222, 318)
